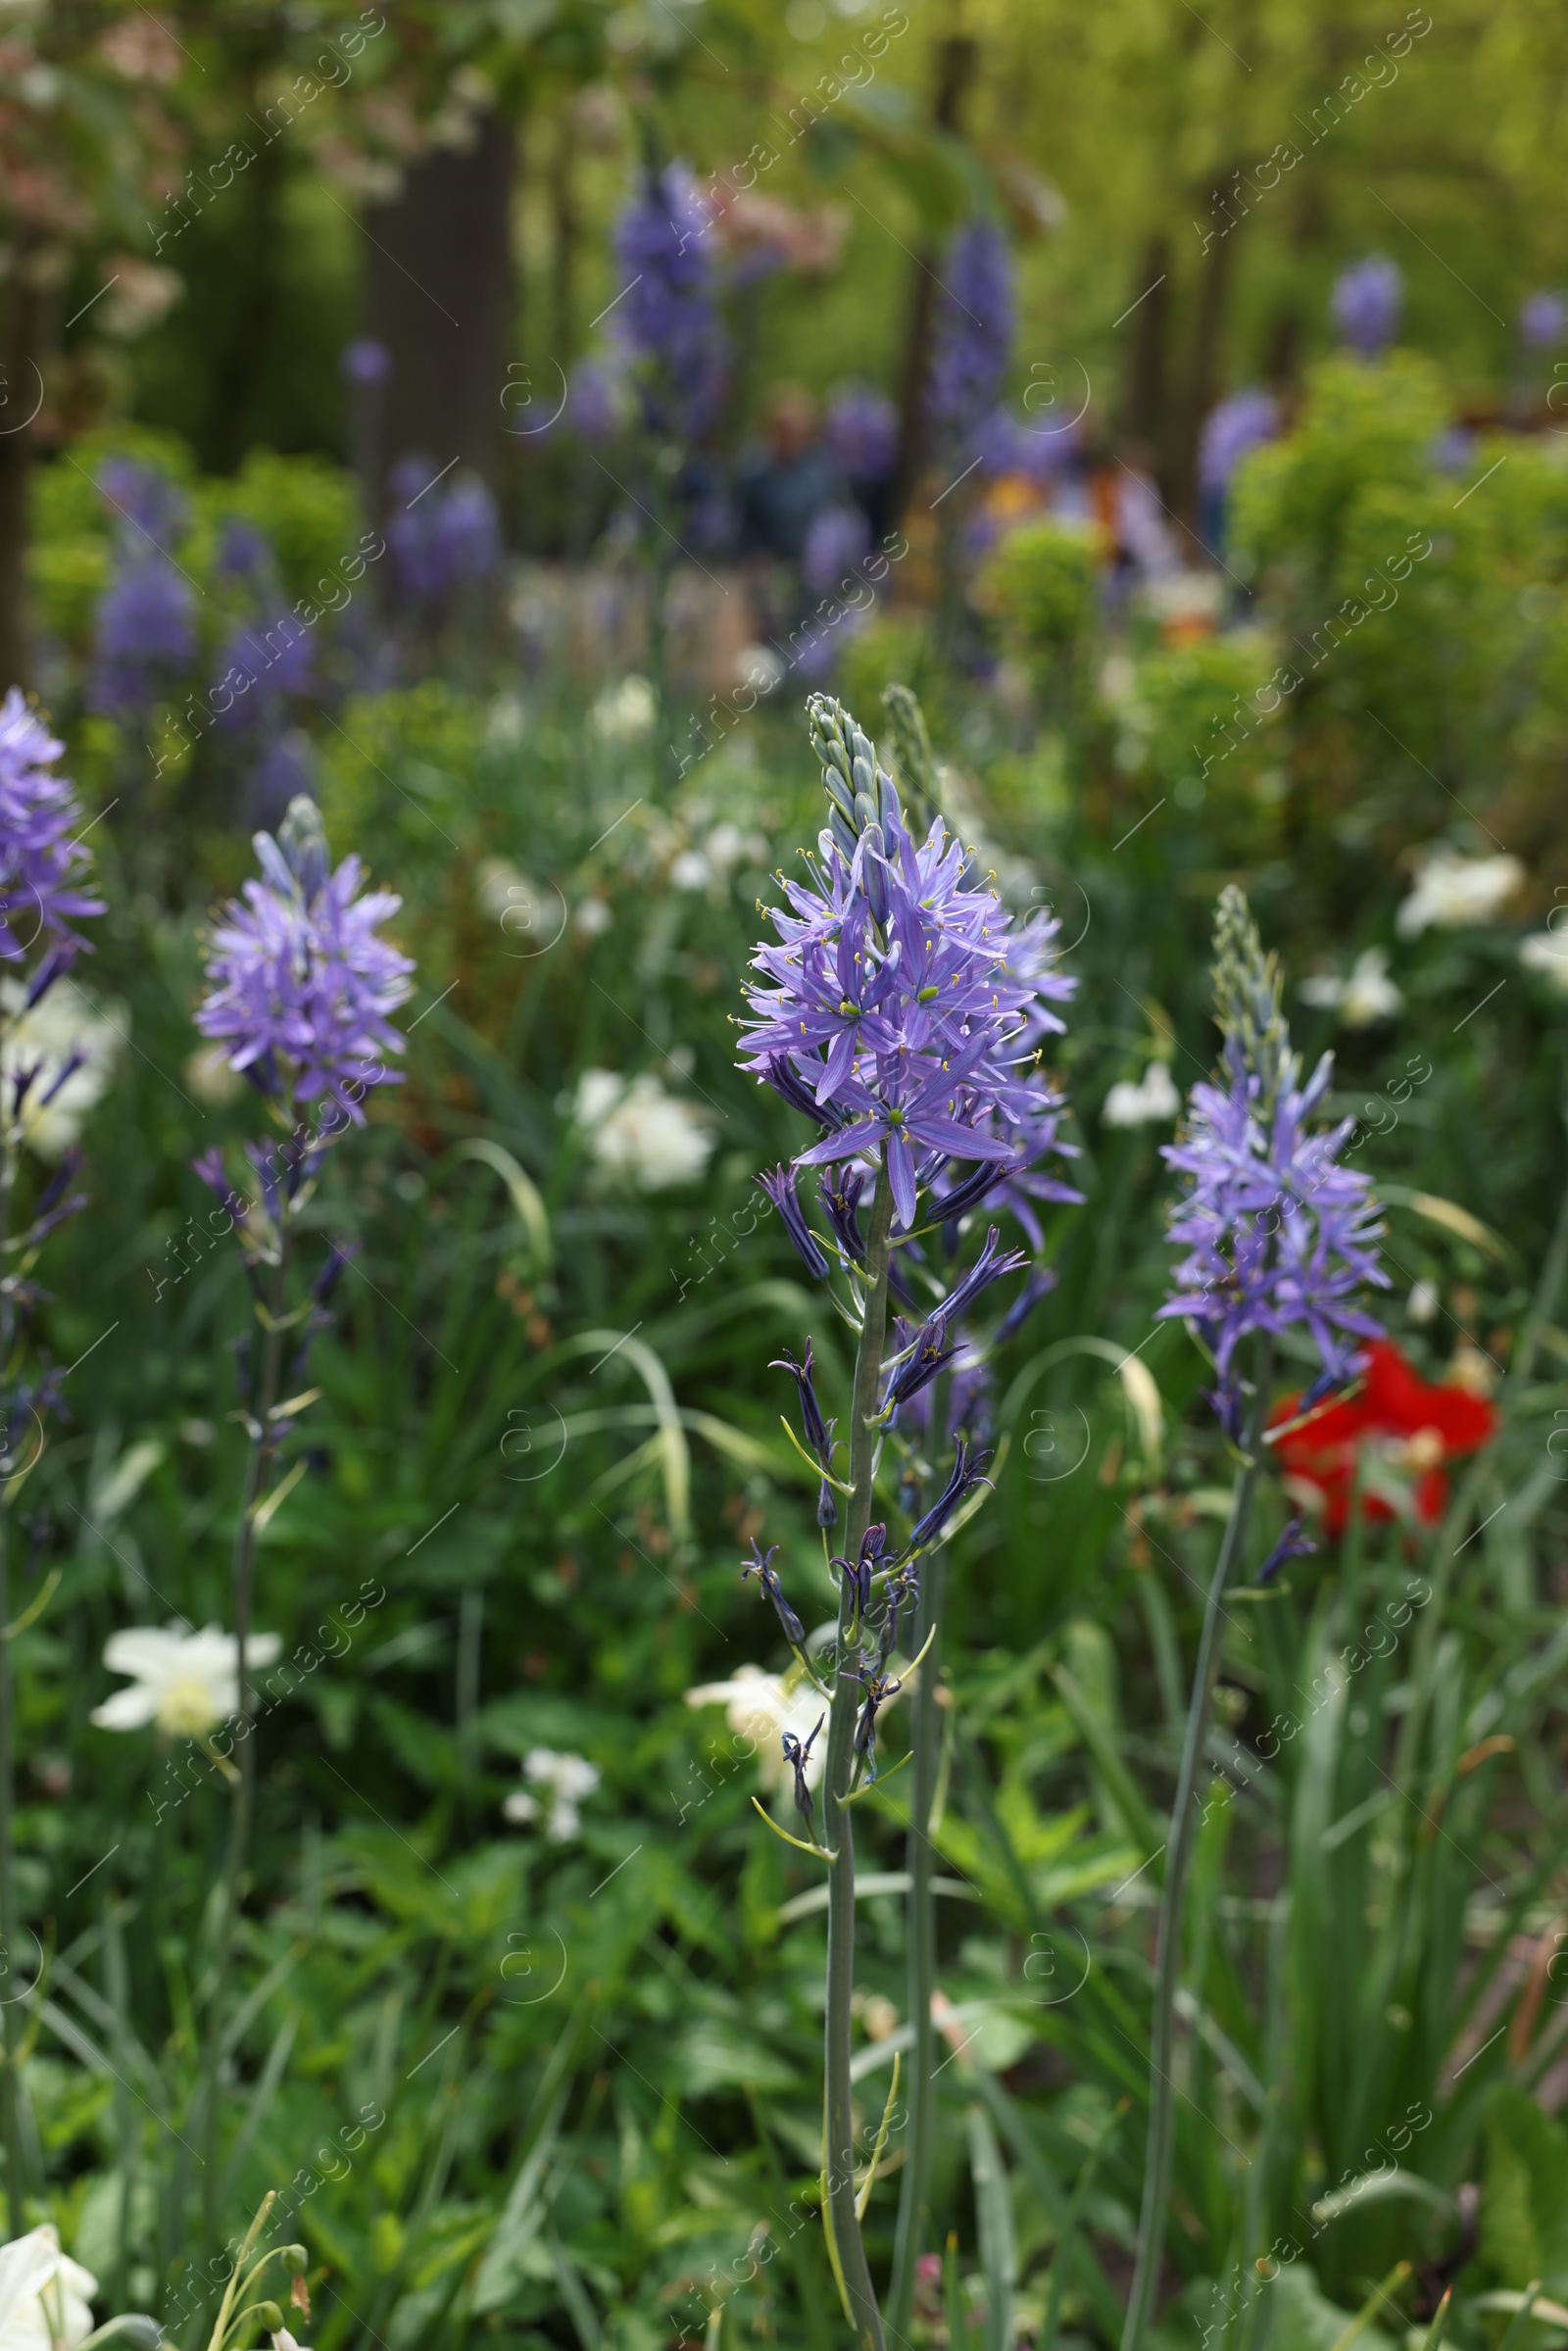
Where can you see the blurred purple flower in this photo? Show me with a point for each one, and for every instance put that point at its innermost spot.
(1005, 444)
(1542, 320)
(440, 537)
(596, 400)
(144, 637)
(862, 429)
(279, 776)
(838, 538)
(1230, 430)
(44, 869)
(243, 551)
(364, 360)
(144, 500)
(277, 661)
(972, 340)
(301, 986)
(667, 315)
(1366, 303)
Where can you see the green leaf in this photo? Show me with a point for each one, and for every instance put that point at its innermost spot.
(1523, 2213)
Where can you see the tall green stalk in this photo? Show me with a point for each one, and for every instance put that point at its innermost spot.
(925, 1739)
(10, 2105)
(838, 2153)
(1178, 1860)
(242, 1794)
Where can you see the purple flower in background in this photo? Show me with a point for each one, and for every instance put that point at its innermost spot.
(301, 986)
(596, 400)
(440, 537)
(838, 539)
(1542, 320)
(243, 552)
(364, 360)
(1230, 430)
(43, 868)
(144, 637)
(1005, 445)
(281, 775)
(861, 427)
(972, 340)
(1278, 1235)
(260, 664)
(1366, 303)
(147, 504)
(667, 316)
(892, 1001)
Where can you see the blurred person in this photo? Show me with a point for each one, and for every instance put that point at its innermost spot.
(781, 490)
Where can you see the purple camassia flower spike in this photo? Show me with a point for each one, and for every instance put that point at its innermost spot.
(302, 987)
(43, 868)
(972, 340)
(897, 998)
(1366, 303)
(667, 317)
(1279, 1236)
(861, 428)
(1230, 430)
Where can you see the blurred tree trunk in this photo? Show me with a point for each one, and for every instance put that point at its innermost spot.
(251, 321)
(440, 295)
(1144, 410)
(22, 359)
(957, 62)
(1202, 375)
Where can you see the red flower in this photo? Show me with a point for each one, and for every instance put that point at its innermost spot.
(1410, 1424)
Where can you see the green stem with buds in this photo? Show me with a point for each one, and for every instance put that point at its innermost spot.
(838, 1836)
(10, 2102)
(242, 1800)
(1178, 1860)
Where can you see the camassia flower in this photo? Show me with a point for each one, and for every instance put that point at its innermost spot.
(43, 866)
(302, 986)
(899, 1008)
(1278, 1235)
(1406, 1429)
(184, 1683)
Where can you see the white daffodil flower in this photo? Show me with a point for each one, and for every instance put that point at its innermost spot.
(1368, 995)
(62, 1024)
(44, 2296)
(1154, 1097)
(1452, 891)
(1546, 951)
(186, 1683)
(763, 1707)
(640, 1137)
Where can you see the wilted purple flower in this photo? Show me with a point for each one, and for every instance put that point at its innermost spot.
(818, 1432)
(1230, 430)
(665, 316)
(146, 502)
(44, 869)
(838, 538)
(862, 429)
(972, 341)
(1292, 1545)
(302, 987)
(967, 1474)
(893, 996)
(760, 1565)
(1542, 320)
(144, 637)
(1366, 303)
(364, 360)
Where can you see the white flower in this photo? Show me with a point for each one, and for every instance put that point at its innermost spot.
(760, 667)
(592, 918)
(1154, 1098)
(139, 293)
(1546, 951)
(184, 1682)
(690, 871)
(726, 845)
(210, 1078)
(640, 1135)
(763, 1707)
(1368, 995)
(497, 884)
(1452, 891)
(1423, 1301)
(64, 1021)
(567, 1779)
(625, 711)
(44, 2296)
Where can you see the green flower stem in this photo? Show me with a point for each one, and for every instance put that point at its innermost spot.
(10, 2105)
(915, 2200)
(242, 1801)
(838, 2156)
(1178, 1860)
